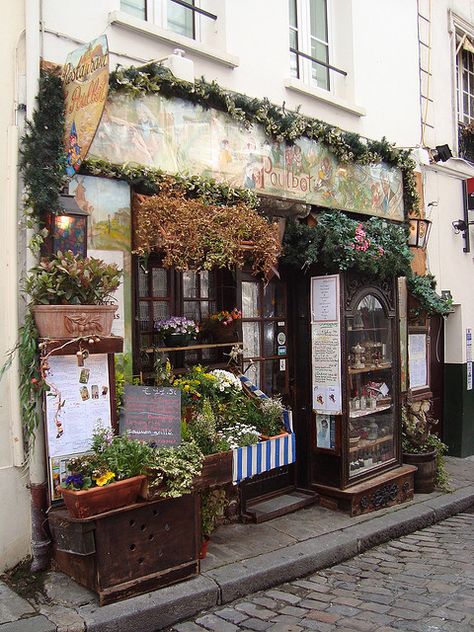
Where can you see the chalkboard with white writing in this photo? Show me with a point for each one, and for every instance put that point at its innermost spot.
(153, 414)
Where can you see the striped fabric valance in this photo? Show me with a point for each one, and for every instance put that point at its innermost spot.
(262, 457)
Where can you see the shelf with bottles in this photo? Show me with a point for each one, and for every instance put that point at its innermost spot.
(372, 368)
(355, 414)
(363, 445)
(369, 458)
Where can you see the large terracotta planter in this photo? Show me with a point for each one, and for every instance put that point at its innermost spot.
(98, 500)
(73, 321)
(426, 472)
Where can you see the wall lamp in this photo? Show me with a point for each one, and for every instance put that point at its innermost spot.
(460, 226)
(419, 232)
(441, 153)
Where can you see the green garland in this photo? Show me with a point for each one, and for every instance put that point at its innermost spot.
(338, 242)
(42, 158)
(277, 122)
(150, 181)
(423, 288)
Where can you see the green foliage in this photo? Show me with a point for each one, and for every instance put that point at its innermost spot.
(417, 438)
(150, 181)
(423, 288)
(172, 470)
(42, 158)
(213, 504)
(339, 242)
(124, 456)
(272, 416)
(68, 279)
(277, 121)
(202, 428)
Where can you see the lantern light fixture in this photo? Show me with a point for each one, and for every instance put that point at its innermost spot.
(419, 234)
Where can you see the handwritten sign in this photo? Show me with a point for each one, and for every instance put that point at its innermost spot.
(153, 414)
(326, 345)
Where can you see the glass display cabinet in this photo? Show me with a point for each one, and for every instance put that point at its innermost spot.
(358, 467)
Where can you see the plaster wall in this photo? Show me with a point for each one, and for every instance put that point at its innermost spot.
(14, 504)
(374, 42)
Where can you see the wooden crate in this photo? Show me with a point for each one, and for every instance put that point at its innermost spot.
(129, 551)
(216, 470)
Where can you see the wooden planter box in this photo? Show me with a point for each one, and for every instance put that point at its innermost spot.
(216, 470)
(132, 550)
(97, 500)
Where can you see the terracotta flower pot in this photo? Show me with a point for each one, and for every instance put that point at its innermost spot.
(426, 472)
(225, 333)
(91, 502)
(73, 321)
(204, 546)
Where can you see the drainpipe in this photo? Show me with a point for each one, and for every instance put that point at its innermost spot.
(40, 542)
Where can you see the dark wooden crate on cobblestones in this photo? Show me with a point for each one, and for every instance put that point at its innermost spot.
(390, 488)
(132, 550)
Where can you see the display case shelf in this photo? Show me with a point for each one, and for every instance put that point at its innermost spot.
(381, 367)
(355, 414)
(367, 444)
(192, 347)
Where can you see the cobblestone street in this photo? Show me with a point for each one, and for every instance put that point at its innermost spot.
(423, 582)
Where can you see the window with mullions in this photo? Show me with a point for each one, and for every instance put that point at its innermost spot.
(162, 293)
(465, 85)
(264, 333)
(309, 42)
(178, 16)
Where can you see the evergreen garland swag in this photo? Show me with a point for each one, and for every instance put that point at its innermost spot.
(338, 242)
(277, 122)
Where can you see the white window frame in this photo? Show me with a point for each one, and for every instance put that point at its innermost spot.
(304, 39)
(156, 12)
(459, 69)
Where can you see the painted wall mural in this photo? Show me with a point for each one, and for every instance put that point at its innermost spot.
(180, 137)
(107, 203)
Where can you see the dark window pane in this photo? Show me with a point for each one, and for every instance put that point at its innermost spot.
(274, 382)
(318, 19)
(159, 282)
(142, 283)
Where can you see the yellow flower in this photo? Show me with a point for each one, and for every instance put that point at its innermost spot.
(198, 369)
(186, 388)
(104, 479)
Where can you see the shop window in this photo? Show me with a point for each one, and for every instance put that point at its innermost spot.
(465, 92)
(161, 293)
(309, 42)
(180, 16)
(264, 333)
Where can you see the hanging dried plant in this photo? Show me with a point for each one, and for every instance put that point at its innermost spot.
(192, 234)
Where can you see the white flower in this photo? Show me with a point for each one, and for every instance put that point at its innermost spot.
(226, 380)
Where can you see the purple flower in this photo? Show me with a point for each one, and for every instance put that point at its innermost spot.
(76, 480)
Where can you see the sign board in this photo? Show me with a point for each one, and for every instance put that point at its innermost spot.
(85, 79)
(153, 414)
(78, 402)
(326, 345)
(418, 360)
(326, 432)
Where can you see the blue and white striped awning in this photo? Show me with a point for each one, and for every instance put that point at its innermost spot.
(262, 457)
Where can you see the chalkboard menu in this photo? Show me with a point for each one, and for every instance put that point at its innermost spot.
(153, 414)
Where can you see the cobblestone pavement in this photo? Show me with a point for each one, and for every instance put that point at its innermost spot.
(423, 582)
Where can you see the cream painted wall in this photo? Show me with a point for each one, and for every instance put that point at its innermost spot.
(453, 268)
(375, 42)
(14, 503)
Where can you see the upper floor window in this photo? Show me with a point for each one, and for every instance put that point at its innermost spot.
(465, 80)
(180, 16)
(309, 42)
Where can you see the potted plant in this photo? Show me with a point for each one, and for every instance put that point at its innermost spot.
(213, 505)
(422, 448)
(71, 296)
(222, 325)
(177, 331)
(109, 477)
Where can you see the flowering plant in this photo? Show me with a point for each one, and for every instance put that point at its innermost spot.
(177, 325)
(239, 435)
(225, 317)
(113, 458)
(226, 381)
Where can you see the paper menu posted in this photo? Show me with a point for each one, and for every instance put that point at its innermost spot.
(324, 298)
(417, 360)
(78, 402)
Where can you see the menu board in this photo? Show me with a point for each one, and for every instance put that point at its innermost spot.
(153, 414)
(77, 403)
(326, 345)
(418, 360)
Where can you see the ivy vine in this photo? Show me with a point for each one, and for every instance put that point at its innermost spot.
(423, 289)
